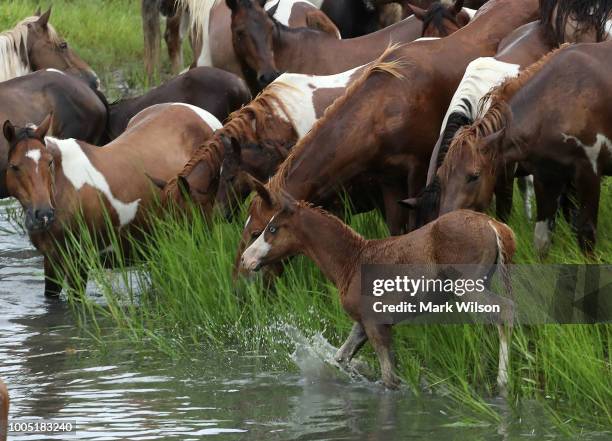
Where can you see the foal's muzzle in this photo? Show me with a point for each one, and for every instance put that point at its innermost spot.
(39, 219)
(267, 77)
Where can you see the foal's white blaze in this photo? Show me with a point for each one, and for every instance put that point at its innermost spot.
(206, 116)
(34, 155)
(297, 96)
(541, 237)
(254, 253)
(79, 170)
(592, 151)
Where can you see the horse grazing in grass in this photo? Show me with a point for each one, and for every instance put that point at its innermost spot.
(77, 109)
(389, 119)
(462, 237)
(4, 410)
(268, 126)
(214, 90)
(519, 50)
(34, 44)
(211, 19)
(266, 47)
(58, 180)
(529, 121)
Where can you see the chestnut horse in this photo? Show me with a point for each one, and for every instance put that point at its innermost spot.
(34, 44)
(211, 19)
(519, 50)
(389, 119)
(77, 109)
(271, 124)
(266, 47)
(4, 410)
(462, 237)
(529, 121)
(58, 180)
(214, 90)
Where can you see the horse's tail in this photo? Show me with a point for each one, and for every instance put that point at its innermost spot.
(506, 247)
(320, 21)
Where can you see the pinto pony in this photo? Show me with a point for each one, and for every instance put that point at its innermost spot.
(34, 44)
(59, 180)
(461, 237)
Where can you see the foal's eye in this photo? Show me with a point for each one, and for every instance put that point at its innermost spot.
(14, 167)
(272, 229)
(473, 177)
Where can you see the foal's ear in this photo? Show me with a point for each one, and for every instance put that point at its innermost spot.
(288, 203)
(412, 203)
(8, 129)
(37, 13)
(43, 21)
(458, 7)
(418, 12)
(42, 130)
(261, 190)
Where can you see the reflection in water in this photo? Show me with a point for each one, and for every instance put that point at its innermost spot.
(121, 392)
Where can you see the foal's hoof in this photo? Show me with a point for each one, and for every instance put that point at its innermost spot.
(392, 382)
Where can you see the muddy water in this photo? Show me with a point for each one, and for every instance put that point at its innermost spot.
(121, 392)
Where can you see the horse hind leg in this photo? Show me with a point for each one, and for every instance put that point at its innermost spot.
(353, 343)
(380, 337)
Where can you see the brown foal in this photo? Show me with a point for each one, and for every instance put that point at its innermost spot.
(461, 237)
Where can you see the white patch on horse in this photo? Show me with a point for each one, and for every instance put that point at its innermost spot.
(470, 12)
(541, 236)
(591, 151)
(427, 38)
(55, 70)
(283, 10)
(79, 171)
(297, 96)
(206, 116)
(34, 155)
(480, 76)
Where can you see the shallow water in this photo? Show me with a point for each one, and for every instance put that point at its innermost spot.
(127, 393)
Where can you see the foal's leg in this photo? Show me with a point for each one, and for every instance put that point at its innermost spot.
(380, 338)
(547, 203)
(587, 192)
(353, 343)
(505, 334)
(53, 279)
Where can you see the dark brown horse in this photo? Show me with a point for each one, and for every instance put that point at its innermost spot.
(4, 410)
(462, 237)
(530, 121)
(33, 44)
(217, 91)
(265, 47)
(388, 120)
(57, 180)
(77, 109)
(361, 17)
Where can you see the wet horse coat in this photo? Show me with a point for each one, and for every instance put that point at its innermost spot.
(60, 179)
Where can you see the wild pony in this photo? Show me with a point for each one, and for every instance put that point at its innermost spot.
(387, 121)
(269, 125)
(519, 50)
(265, 47)
(60, 181)
(357, 18)
(214, 90)
(4, 410)
(34, 44)
(530, 122)
(210, 20)
(77, 109)
(459, 238)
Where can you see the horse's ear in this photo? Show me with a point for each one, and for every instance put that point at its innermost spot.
(418, 12)
(183, 185)
(288, 203)
(412, 203)
(159, 183)
(261, 190)
(37, 13)
(43, 21)
(262, 3)
(236, 147)
(231, 4)
(458, 7)
(43, 128)
(492, 141)
(8, 129)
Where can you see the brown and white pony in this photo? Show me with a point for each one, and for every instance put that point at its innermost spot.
(78, 112)
(462, 237)
(531, 121)
(58, 180)
(211, 20)
(265, 47)
(34, 44)
(389, 119)
(4, 410)
(214, 90)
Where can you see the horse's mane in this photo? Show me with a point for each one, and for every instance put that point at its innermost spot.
(14, 61)
(199, 14)
(496, 117)
(328, 215)
(587, 14)
(382, 65)
(248, 122)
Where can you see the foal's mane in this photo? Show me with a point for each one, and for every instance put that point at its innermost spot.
(392, 67)
(239, 125)
(328, 215)
(14, 61)
(588, 15)
(495, 118)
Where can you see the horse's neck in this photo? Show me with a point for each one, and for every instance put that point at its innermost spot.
(120, 113)
(331, 244)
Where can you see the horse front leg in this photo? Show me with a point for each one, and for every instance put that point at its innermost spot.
(353, 343)
(547, 202)
(380, 337)
(587, 193)
(53, 278)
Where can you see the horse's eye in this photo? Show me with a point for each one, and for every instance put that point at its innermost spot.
(272, 229)
(255, 234)
(63, 45)
(473, 177)
(14, 167)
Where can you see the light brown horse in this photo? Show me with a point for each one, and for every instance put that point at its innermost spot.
(34, 44)
(57, 180)
(4, 410)
(388, 120)
(461, 237)
(265, 47)
(554, 117)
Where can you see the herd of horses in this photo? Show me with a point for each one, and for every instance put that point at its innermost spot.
(424, 111)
